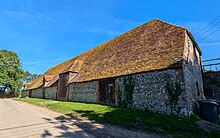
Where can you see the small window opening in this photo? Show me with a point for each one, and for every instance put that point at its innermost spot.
(197, 86)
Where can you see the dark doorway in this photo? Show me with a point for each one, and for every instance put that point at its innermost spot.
(63, 85)
(30, 93)
(107, 91)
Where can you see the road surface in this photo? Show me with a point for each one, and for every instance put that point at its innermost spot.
(22, 120)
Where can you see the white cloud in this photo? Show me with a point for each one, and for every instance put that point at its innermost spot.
(17, 13)
(117, 26)
(44, 61)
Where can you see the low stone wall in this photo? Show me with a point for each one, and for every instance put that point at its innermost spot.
(37, 93)
(212, 85)
(50, 92)
(150, 91)
(24, 94)
(82, 92)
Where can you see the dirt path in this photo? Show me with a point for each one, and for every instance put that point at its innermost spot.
(19, 120)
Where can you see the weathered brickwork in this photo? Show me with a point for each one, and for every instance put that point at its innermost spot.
(37, 93)
(24, 94)
(50, 92)
(150, 91)
(212, 85)
(82, 92)
(192, 74)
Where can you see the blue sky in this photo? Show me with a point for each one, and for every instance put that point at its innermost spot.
(46, 32)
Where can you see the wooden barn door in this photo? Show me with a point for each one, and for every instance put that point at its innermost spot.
(63, 86)
(30, 93)
(107, 91)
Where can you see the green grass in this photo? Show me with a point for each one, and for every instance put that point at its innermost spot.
(151, 122)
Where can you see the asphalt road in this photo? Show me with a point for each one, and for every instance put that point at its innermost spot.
(23, 120)
(20, 120)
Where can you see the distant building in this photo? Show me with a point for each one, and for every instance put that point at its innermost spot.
(154, 67)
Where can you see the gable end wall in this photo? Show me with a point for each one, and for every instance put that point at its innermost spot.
(192, 74)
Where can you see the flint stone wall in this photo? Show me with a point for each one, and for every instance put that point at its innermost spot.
(150, 91)
(50, 92)
(37, 93)
(82, 92)
(192, 75)
(24, 94)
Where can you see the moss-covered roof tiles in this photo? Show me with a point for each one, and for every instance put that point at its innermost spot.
(151, 46)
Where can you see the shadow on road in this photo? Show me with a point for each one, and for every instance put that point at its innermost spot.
(69, 122)
(70, 126)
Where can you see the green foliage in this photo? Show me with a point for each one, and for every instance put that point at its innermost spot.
(128, 88)
(208, 71)
(174, 90)
(12, 76)
(211, 78)
(194, 117)
(28, 77)
(125, 100)
(172, 125)
(119, 97)
(11, 73)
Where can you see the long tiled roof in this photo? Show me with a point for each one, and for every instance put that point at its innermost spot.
(152, 46)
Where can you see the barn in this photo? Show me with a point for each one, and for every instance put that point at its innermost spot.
(154, 67)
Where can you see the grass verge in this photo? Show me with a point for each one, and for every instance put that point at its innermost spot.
(151, 122)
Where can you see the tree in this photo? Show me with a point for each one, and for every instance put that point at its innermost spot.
(11, 73)
(28, 77)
